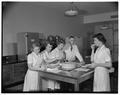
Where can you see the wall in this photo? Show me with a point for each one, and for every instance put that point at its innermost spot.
(111, 35)
(30, 17)
(110, 16)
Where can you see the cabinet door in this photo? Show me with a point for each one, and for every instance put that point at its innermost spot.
(115, 53)
(6, 74)
(24, 43)
(20, 71)
(115, 37)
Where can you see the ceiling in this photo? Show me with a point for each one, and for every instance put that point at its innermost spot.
(89, 7)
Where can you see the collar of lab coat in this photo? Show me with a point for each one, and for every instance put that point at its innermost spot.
(100, 48)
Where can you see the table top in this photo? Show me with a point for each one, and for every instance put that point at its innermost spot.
(75, 73)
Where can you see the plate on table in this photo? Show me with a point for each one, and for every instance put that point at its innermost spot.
(66, 69)
(82, 69)
(53, 70)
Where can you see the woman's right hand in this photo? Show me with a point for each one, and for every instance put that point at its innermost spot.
(93, 46)
(43, 67)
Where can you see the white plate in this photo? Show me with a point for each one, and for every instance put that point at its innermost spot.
(54, 70)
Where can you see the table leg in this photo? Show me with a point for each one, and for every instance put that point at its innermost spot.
(76, 86)
(40, 83)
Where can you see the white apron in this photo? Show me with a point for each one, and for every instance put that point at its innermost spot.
(101, 74)
(31, 81)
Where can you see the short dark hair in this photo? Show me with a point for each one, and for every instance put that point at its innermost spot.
(100, 37)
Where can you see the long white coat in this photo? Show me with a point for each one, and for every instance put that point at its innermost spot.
(72, 54)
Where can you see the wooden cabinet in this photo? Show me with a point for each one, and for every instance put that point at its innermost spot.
(25, 41)
(20, 71)
(13, 73)
(115, 42)
(6, 76)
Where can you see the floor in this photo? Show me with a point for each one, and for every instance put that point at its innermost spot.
(85, 87)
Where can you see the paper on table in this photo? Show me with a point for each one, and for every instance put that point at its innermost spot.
(82, 69)
(54, 70)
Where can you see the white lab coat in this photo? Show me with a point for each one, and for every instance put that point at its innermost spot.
(101, 74)
(71, 55)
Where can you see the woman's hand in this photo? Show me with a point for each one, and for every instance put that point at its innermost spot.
(93, 65)
(43, 67)
(111, 70)
(93, 46)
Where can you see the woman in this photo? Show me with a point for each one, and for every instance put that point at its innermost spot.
(34, 61)
(72, 52)
(58, 54)
(48, 84)
(46, 53)
(101, 62)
